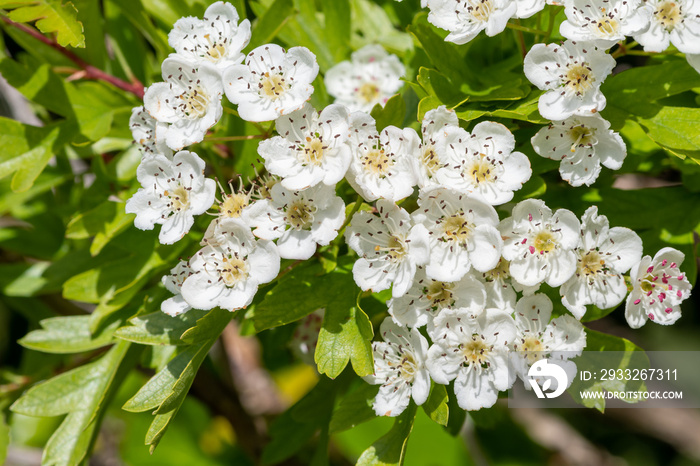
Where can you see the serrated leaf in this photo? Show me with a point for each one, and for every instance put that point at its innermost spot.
(355, 408)
(102, 222)
(69, 334)
(390, 450)
(51, 16)
(436, 406)
(391, 114)
(158, 328)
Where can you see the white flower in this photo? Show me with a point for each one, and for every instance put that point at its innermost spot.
(500, 293)
(216, 39)
(472, 351)
(694, 61)
(540, 245)
(604, 255)
(370, 77)
(227, 274)
(465, 19)
(582, 144)
(149, 133)
(390, 248)
(431, 155)
(189, 99)
(571, 73)
(527, 8)
(300, 220)
(381, 163)
(604, 22)
(305, 338)
(399, 367)
(240, 204)
(272, 82)
(176, 305)
(173, 193)
(463, 233)
(427, 298)
(674, 22)
(658, 288)
(483, 164)
(537, 338)
(310, 149)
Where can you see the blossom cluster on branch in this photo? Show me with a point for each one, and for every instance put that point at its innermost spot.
(454, 266)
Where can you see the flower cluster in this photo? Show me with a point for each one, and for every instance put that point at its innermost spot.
(469, 279)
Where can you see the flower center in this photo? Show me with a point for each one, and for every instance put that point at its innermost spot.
(500, 272)
(481, 170)
(480, 9)
(582, 136)
(591, 263)
(579, 79)
(273, 86)
(533, 348)
(647, 284)
(430, 160)
(669, 15)
(233, 205)
(476, 351)
(179, 198)
(368, 92)
(233, 270)
(215, 50)
(313, 151)
(300, 214)
(607, 26)
(440, 294)
(457, 228)
(396, 248)
(545, 241)
(194, 103)
(376, 162)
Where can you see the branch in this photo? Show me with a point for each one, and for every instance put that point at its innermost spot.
(90, 72)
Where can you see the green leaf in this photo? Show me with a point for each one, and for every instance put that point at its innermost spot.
(103, 222)
(51, 16)
(208, 327)
(675, 129)
(271, 21)
(68, 335)
(337, 26)
(436, 406)
(158, 328)
(598, 355)
(355, 408)
(346, 332)
(391, 114)
(391, 448)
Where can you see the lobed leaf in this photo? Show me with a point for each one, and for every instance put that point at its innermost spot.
(51, 16)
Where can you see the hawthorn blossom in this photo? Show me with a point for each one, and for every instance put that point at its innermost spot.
(227, 274)
(482, 164)
(399, 367)
(371, 77)
(300, 220)
(500, 292)
(272, 82)
(604, 255)
(527, 8)
(390, 248)
(465, 19)
(540, 244)
(463, 233)
(305, 338)
(571, 74)
(189, 99)
(427, 298)
(658, 288)
(431, 153)
(216, 39)
(176, 305)
(604, 22)
(172, 193)
(472, 351)
(310, 149)
(582, 144)
(149, 133)
(537, 338)
(382, 163)
(674, 22)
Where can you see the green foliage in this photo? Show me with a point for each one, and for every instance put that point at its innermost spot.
(51, 16)
(436, 407)
(391, 448)
(68, 335)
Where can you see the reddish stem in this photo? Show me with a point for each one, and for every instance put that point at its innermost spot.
(91, 72)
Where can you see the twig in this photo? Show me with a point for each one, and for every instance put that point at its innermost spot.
(135, 88)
